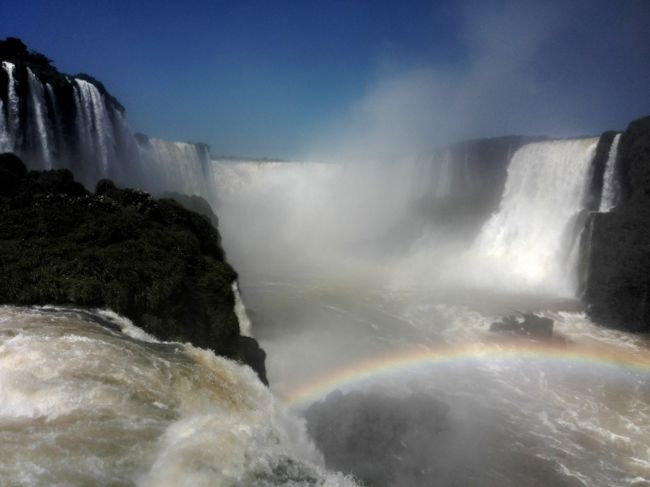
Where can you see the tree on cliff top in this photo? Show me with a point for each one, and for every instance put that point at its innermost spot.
(13, 48)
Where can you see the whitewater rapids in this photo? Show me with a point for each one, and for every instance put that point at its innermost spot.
(514, 420)
(87, 398)
(337, 297)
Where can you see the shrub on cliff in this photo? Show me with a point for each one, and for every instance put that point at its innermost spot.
(150, 260)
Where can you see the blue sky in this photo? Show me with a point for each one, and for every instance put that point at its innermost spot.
(306, 78)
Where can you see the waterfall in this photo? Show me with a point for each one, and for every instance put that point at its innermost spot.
(610, 184)
(69, 122)
(4, 135)
(527, 243)
(94, 125)
(57, 122)
(13, 112)
(240, 312)
(177, 166)
(38, 117)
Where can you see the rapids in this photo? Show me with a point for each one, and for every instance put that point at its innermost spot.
(339, 264)
(87, 398)
(567, 416)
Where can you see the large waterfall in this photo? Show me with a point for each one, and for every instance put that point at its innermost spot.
(176, 166)
(527, 243)
(76, 125)
(518, 201)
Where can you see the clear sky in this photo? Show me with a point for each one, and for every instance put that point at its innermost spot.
(301, 78)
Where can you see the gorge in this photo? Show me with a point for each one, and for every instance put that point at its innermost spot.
(371, 285)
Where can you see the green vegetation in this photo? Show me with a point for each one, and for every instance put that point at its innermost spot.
(150, 260)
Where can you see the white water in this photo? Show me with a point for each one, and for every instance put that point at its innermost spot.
(81, 404)
(176, 166)
(240, 311)
(4, 133)
(39, 115)
(526, 244)
(94, 126)
(123, 408)
(610, 184)
(13, 114)
(533, 422)
(103, 144)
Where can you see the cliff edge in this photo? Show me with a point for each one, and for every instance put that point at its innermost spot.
(150, 260)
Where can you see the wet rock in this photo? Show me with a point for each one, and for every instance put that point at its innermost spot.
(617, 283)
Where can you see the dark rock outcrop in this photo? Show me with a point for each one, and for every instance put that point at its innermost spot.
(598, 170)
(525, 324)
(150, 260)
(377, 438)
(617, 284)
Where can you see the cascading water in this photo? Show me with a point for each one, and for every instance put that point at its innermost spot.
(13, 113)
(57, 127)
(177, 166)
(610, 183)
(240, 311)
(38, 112)
(4, 135)
(94, 126)
(527, 243)
(563, 417)
(83, 403)
(101, 144)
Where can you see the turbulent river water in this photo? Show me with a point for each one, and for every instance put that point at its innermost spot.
(337, 312)
(572, 411)
(86, 398)
(357, 277)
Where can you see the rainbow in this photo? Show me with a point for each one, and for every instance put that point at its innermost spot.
(375, 367)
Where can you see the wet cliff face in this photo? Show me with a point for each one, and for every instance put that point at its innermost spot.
(150, 260)
(618, 283)
(53, 120)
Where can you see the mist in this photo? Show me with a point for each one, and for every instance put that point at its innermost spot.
(416, 264)
(550, 68)
(399, 231)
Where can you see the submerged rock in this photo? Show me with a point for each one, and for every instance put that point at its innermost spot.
(150, 260)
(525, 324)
